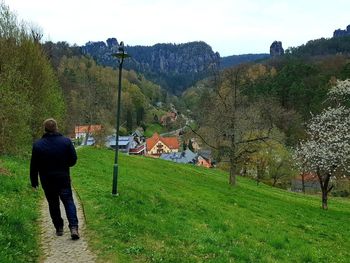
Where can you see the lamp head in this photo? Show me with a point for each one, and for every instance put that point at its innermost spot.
(121, 53)
(121, 47)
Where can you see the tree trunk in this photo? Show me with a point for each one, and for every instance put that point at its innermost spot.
(233, 142)
(303, 182)
(233, 168)
(259, 172)
(324, 199)
(274, 181)
(232, 178)
(87, 134)
(324, 182)
(245, 171)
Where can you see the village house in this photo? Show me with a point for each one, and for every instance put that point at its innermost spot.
(205, 159)
(138, 150)
(133, 144)
(126, 144)
(83, 133)
(138, 136)
(341, 185)
(82, 130)
(168, 118)
(156, 145)
(311, 183)
(186, 156)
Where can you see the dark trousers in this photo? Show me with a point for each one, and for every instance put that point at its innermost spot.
(53, 197)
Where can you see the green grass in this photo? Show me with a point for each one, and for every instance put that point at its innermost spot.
(152, 128)
(168, 212)
(19, 210)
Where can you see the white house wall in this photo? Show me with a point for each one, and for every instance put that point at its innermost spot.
(166, 149)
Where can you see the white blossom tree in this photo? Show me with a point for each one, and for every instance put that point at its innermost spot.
(326, 152)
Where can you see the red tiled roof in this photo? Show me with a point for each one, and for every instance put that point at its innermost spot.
(85, 128)
(308, 177)
(171, 142)
(137, 149)
(150, 142)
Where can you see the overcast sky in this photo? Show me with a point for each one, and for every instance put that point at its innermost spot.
(228, 26)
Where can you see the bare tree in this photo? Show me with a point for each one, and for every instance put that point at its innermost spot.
(233, 125)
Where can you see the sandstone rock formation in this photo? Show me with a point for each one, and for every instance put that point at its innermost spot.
(276, 49)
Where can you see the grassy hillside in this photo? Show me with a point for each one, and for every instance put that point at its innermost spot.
(168, 212)
(19, 231)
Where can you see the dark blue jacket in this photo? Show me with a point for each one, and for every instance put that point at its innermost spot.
(52, 156)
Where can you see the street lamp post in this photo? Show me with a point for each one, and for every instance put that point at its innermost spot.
(120, 55)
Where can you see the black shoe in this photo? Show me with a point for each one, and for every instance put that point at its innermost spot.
(59, 231)
(74, 233)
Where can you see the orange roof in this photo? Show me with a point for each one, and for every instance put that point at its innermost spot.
(85, 128)
(308, 177)
(171, 142)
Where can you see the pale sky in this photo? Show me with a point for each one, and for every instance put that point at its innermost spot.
(230, 27)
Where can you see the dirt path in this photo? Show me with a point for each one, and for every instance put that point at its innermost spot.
(61, 249)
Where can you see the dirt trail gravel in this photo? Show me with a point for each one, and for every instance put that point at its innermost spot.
(61, 249)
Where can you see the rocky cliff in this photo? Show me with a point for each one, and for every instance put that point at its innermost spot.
(342, 33)
(174, 66)
(276, 49)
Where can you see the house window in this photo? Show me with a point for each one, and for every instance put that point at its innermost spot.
(160, 148)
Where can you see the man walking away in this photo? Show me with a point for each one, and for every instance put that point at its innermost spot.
(52, 156)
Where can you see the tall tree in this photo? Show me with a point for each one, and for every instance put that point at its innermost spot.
(89, 91)
(190, 145)
(129, 125)
(29, 89)
(140, 115)
(326, 152)
(231, 123)
(272, 162)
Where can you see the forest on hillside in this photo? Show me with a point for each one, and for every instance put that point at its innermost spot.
(41, 80)
(30, 89)
(252, 116)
